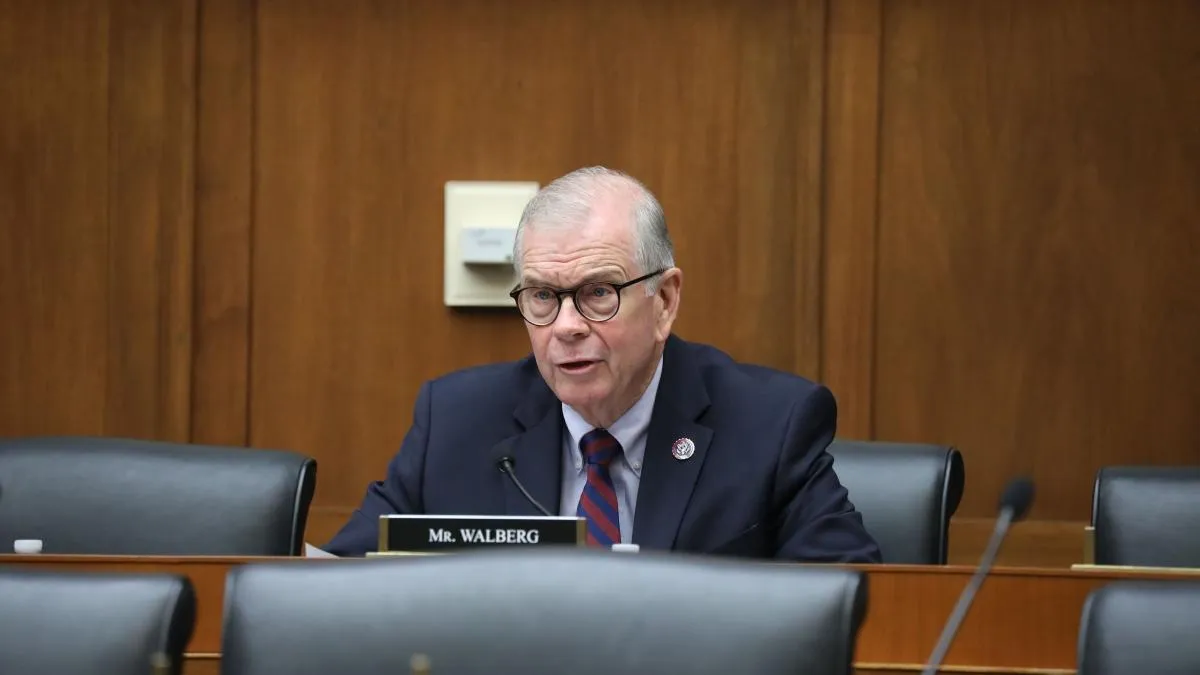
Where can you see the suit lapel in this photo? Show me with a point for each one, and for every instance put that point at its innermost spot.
(667, 483)
(537, 453)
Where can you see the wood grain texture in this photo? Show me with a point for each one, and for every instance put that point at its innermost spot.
(325, 521)
(53, 220)
(1038, 239)
(810, 44)
(1030, 543)
(851, 178)
(910, 669)
(96, 221)
(364, 110)
(201, 665)
(150, 218)
(977, 222)
(224, 216)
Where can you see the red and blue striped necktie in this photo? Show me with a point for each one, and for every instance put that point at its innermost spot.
(598, 503)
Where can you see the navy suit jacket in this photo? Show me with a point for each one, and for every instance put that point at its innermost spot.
(760, 483)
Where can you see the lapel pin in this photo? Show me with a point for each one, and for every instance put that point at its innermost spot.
(683, 449)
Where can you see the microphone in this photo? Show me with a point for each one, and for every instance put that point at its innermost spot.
(506, 464)
(1014, 504)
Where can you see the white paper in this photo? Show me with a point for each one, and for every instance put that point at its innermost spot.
(311, 551)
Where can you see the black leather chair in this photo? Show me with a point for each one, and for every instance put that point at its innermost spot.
(116, 496)
(1147, 516)
(1141, 628)
(544, 612)
(93, 624)
(906, 493)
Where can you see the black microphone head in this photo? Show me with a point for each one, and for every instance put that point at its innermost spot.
(504, 460)
(1018, 496)
(502, 455)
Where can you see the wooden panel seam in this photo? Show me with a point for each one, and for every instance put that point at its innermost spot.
(224, 204)
(850, 210)
(179, 216)
(808, 314)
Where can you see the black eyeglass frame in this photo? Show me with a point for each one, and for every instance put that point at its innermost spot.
(560, 293)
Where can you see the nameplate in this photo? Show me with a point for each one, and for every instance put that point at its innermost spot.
(409, 533)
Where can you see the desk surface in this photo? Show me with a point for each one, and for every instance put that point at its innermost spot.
(907, 606)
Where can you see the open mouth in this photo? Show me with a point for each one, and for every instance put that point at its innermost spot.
(574, 367)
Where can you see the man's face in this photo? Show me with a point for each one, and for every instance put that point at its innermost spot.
(598, 368)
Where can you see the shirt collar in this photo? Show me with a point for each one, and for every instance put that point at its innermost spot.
(628, 430)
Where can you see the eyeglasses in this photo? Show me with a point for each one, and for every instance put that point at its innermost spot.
(597, 301)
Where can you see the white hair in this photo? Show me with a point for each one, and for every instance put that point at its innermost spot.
(570, 199)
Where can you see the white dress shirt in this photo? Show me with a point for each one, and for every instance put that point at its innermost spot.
(626, 471)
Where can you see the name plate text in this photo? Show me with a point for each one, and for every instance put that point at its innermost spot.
(410, 533)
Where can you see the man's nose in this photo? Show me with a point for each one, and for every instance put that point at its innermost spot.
(570, 324)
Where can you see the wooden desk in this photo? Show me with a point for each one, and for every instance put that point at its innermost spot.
(1023, 620)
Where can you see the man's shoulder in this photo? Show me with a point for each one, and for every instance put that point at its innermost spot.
(721, 370)
(730, 382)
(754, 401)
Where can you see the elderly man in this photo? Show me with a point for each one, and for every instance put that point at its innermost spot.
(653, 440)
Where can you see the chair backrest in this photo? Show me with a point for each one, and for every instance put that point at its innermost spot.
(906, 493)
(81, 623)
(544, 612)
(1147, 516)
(1141, 628)
(85, 495)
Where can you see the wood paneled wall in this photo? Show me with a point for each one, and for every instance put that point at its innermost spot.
(96, 216)
(1038, 244)
(366, 109)
(977, 221)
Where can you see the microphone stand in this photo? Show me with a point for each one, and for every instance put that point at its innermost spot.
(1003, 522)
(505, 464)
(1014, 504)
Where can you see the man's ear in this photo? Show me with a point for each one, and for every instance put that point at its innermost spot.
(670, 291)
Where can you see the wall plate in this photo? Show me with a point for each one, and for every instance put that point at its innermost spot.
(473, 206)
